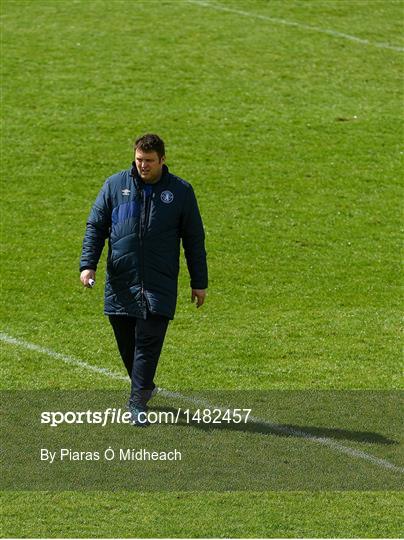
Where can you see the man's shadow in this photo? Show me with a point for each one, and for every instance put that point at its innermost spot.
(283, 430)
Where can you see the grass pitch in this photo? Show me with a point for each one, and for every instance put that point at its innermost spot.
(292, 139)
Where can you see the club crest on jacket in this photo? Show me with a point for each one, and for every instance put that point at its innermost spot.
(166, 197)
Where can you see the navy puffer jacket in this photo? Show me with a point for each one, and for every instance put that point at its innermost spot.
(144, 236)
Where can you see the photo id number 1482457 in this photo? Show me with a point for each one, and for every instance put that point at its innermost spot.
(216, 416)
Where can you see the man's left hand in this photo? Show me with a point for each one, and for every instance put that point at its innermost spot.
(200, 295)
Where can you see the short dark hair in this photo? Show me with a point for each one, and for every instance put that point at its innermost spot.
(151, 143)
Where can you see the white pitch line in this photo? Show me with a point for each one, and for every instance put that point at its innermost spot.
(285, 430)
(291, 432)
(287, 22)
(59, 356)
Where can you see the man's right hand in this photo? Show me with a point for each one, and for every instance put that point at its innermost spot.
(85, 277)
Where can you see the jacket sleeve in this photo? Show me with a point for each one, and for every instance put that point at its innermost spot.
(97, 230)
(193, 241)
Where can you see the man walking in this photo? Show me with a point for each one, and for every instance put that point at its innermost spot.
(144, 212)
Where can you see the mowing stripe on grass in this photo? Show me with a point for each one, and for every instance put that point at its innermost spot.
(285, 430)
(286, 22)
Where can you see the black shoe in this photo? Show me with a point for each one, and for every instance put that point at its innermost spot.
(139, 415)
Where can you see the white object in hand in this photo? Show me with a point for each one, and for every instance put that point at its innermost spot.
(91, 282)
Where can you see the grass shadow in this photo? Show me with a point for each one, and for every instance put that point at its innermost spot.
(288, 430)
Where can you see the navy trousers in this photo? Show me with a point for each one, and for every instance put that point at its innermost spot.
(140, 342)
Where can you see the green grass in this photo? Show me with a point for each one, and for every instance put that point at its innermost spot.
(180, 515)
(301, 210)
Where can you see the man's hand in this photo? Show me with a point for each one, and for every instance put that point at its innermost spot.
(200, 295)
(85, 277)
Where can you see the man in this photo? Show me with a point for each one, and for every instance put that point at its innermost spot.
(144, 212)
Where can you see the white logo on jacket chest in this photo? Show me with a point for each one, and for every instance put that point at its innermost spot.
(126, 191)
(166, 197)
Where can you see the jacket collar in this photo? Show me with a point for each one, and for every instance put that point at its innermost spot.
(165, 177)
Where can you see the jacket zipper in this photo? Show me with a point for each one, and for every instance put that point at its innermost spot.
(148, 201)
(141, 235)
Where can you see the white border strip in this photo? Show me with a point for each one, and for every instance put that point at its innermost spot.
(286, 22)
(330, 443)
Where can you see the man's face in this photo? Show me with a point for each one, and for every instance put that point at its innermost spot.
(149, 166)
